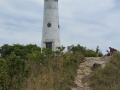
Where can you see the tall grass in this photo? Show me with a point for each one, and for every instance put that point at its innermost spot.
(53, 72)
(107, 78)
(48, 70)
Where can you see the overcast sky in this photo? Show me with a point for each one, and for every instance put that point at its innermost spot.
(89, 23)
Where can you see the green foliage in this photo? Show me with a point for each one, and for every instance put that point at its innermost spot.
(71, 59)
(13, 72)
(107, 78)
(78, 48)
(90, 53)
(3, 74)
(19, 50)
(59, 50)
(48, 70)
(86, 52)
(5, 50)
(47, 51)
(13, 67)
(16, 65)
(37, 57)
(116, 59)
(55, 71)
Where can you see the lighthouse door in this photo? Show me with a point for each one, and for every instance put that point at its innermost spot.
(49, 45)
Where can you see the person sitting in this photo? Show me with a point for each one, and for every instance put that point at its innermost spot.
(112, 50)
(108, 53)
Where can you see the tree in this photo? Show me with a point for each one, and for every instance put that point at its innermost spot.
(5, 50)
(19, 50)
(3, 75)
(78, 48)
(16, 68)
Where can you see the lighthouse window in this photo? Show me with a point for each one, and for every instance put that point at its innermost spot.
(49, 24)
(49, 45)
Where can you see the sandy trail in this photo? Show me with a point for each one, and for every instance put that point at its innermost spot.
(84, 71)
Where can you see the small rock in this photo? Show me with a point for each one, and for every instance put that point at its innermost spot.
(96, 65)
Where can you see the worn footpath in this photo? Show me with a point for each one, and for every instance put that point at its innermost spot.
(84, 71)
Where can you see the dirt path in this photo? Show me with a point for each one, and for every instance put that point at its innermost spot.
(84, 70)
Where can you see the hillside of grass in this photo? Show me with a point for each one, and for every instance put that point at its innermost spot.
(26, 68)
(54, 73)
(107, 78)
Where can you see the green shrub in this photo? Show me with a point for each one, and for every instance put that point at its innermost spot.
(3, 74)
(86, 52)
(12, 72)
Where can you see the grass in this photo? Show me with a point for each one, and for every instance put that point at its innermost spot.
(107, 78)
(48, 70)
(55, 73)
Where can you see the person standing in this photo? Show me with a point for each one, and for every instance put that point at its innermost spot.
(97, 51)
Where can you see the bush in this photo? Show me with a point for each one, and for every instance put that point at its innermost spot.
(13, 72)
(86, 52)
(3, 74)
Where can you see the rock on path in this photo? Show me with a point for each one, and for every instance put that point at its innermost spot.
(84, 71)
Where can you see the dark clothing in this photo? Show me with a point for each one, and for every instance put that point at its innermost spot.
(97, 50)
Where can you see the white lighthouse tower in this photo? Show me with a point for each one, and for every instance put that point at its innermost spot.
(50, 32)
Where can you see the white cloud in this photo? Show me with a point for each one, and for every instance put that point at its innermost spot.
(86, 22)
